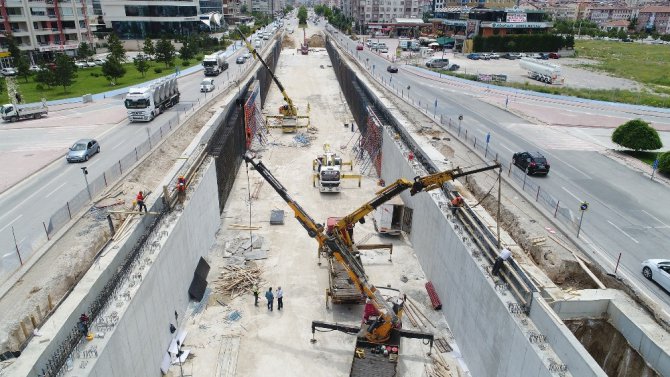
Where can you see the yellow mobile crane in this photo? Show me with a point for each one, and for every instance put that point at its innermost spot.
(289, 113)
(386, 329)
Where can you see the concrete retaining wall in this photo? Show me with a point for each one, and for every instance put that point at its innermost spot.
(491, 340)
(138, 343)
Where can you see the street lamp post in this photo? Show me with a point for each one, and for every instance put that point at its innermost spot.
(85, 171)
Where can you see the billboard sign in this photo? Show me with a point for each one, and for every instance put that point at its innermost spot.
(517, 17)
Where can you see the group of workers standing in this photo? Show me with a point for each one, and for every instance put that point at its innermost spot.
(270, 297)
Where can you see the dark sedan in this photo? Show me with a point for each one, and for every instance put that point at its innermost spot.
(392, 69)
(531, 162)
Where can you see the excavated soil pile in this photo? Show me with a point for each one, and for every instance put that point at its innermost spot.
(316, 40)
(288, 42)
(609, 348)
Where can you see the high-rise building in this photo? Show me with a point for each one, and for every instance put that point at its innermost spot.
(131, 19)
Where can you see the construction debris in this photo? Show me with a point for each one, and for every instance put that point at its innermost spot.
(238, 280)
(277, 217)
(242, 246)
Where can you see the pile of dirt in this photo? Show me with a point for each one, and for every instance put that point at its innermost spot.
(316, 40)
(288, 42)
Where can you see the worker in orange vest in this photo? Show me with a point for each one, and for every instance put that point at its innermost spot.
(456, 203)
(181, 189)
(140, 202)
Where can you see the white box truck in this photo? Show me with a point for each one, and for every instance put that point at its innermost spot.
(392, 217)
(144, 103)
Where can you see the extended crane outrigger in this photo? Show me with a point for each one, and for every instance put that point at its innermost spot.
(338, 244)
(289, 113)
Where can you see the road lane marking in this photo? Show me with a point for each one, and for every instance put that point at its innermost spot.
(622, 231)
(504, 146)
(567, 164)
(11, 222)
(571, 194)
(655, 218)
(56, 189)
(118, 145)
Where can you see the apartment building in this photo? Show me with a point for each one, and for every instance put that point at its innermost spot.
(45, 26)
(601, 15)
(654, 18)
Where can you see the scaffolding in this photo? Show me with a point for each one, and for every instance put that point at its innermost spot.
(368, 148)
(255, 128)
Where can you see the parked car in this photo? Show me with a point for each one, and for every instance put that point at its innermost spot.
(437, 63)
(392, 68)
(531, 162)
(82, 150)
(657, 270)
(207, 85)
(368, 43)
(495, 56)
(8, 71)
(473, 56)
(80, 64)
(485, 56)
(515, 55)
(554, 55)
(90, 63)
(359, 47)
(35, 68)
(454, 67)
(535, 56)
(544, 56)
(99, 61)
(383, 50)
(240, 60)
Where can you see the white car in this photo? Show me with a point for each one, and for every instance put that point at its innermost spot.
(99, 61)
(383, 50)
(207, 85)
(80, 64)
(34, 68)
(657, 270)
(91, 63)
(8, 72)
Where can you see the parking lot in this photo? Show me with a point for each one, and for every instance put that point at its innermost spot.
(573, 69)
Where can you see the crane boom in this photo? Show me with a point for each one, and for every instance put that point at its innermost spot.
(292, 111)
(339, 245)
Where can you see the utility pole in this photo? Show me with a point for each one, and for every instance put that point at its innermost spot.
(85, 171)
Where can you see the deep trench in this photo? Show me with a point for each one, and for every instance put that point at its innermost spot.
(609, 348)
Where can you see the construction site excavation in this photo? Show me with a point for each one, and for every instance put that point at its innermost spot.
(328, 228)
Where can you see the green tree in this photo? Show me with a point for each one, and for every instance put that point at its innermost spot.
(64, 71)
(185, 51)
(632, 25)
(244, 29)
(288, 9)
(243, 9)
(113, 70)
(13, 47)
(141, 64)
(46, 76)
(637, 135)
(23, 66)
(165, 51)
(302, 15)
(85, 50)
(148, 47)
(664, 162)
(116, 48)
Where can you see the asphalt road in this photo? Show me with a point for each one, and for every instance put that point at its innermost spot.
(34, 200)
(628, 213)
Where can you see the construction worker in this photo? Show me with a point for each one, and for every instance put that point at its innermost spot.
(83, 323)
(181, 189)
(256, 292)
(456, 203)
(140, 202)
(505, 254)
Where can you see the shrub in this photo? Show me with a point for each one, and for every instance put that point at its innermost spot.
(158, 70)
(39, 87)
(95, 74)
(185, 63)
(664, 162)
(637, 135)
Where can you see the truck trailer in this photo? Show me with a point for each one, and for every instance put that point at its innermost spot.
(12, 112)
(215, 63)
(541, 71)
(144, 103)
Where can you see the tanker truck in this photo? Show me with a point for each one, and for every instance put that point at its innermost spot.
(215, 63)
(541, 71)
(144, 103)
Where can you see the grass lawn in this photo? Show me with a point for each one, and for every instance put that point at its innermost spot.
(647, 64)
(85, 83)
(646, 157)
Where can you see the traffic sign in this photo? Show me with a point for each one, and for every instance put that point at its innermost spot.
(584, 206)
(655, 165)
(488, 137)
